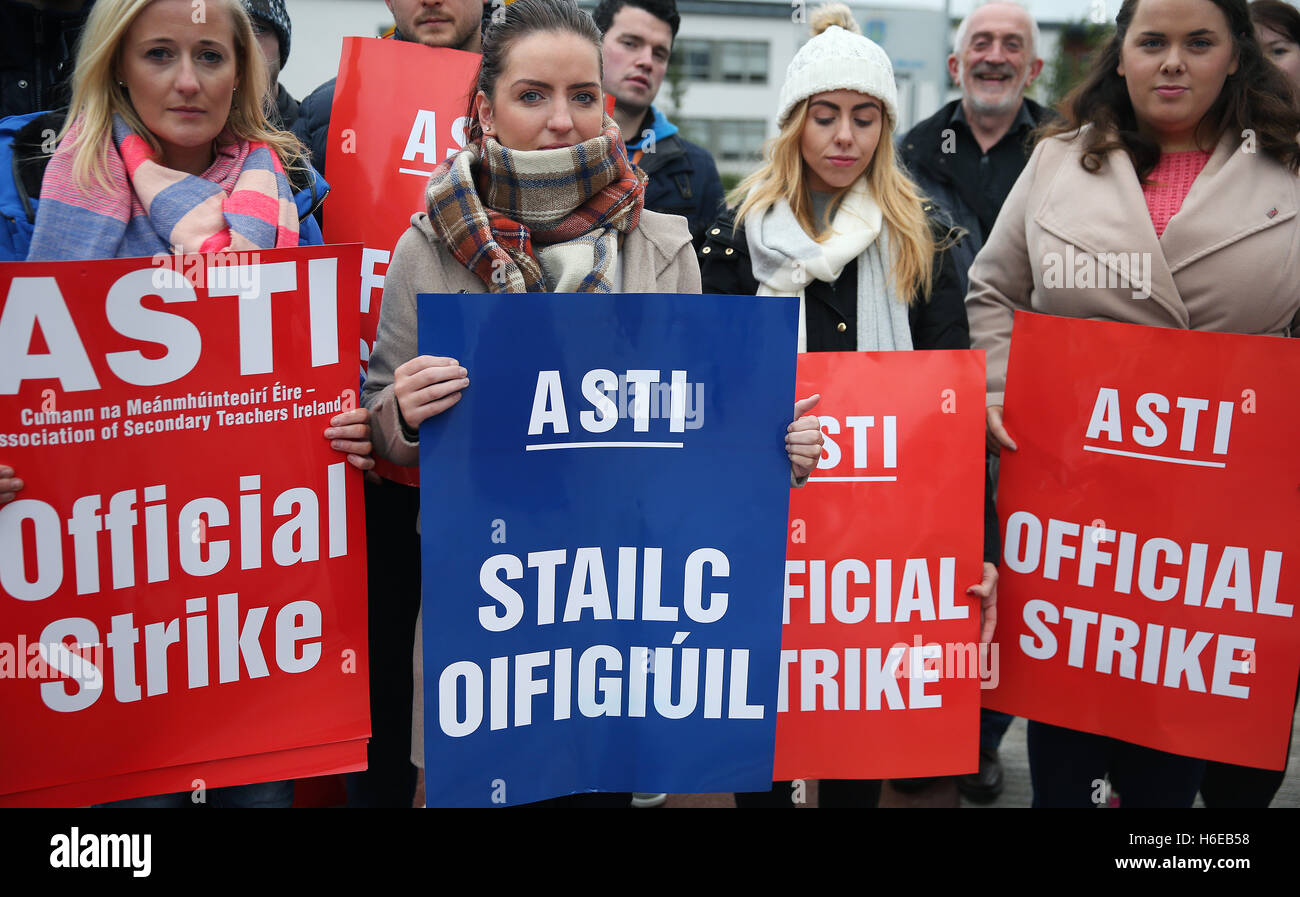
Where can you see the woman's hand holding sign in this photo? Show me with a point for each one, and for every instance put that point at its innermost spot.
(9, 484)
(803, 438)
(987, 592)
(350, 432)
(427, 385)
(998, 437)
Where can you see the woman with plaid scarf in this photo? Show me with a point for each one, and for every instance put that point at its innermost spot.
(542, 199)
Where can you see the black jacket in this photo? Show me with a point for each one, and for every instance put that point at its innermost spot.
(936, 323)
(831, 309)
(286, 109)
(922, 152)
(312, 126)
(37, 51)
(683, 181)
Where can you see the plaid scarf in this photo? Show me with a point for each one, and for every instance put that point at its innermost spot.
(243, 201)
(542, 220)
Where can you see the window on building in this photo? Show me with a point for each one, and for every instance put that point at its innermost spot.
(695, 56)
(735, 61)
(729, 140)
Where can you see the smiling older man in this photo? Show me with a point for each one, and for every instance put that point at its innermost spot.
(968, 155)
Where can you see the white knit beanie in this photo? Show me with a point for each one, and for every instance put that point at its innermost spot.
(839, 59)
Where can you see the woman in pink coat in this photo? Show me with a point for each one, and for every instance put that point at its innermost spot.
(1179, 146)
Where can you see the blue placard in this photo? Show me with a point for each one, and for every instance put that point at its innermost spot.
(603, 575)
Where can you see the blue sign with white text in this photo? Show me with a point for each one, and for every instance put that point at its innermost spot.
(603, 519)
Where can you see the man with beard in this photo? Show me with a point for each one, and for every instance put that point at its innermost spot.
(966, 157)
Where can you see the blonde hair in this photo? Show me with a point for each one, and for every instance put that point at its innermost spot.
(783, 176)
(97, 95)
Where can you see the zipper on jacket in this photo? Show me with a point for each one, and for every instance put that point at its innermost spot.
(317, 199)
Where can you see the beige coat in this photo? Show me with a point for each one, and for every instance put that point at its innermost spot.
(1229, 261)
(656, 257)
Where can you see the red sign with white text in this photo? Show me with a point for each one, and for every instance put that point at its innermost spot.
(1151, 518)
(182, 577)
(381, 155)
(880, 671)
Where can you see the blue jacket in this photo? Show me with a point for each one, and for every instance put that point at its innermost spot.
(22, 166)
(683, 178)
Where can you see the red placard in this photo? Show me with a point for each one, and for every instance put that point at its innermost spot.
(183, 516)
(199, 778)
(879, 656)
(1150, 522)
(382, 153)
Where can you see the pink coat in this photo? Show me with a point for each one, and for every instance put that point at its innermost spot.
(1229, 261)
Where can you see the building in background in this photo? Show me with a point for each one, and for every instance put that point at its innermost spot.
(730, 57)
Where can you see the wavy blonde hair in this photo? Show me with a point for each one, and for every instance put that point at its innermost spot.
(783, 176)
(97, 96)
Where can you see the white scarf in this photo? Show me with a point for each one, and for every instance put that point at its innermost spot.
(785, 259)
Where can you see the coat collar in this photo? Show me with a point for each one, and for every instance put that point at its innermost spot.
(1232, 198)
(1107, 213)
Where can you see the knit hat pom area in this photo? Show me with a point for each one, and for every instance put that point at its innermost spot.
(838, 57)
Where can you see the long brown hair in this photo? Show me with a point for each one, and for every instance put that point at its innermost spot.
(1256, 98)
(1278, 16)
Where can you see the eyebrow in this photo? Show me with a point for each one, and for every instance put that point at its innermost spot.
(533, 82)
(1199, 32)
(993, 35)
(642, 40)
(869, 104)
(163, 39)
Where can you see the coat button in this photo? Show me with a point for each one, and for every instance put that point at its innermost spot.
(841, 327)
(728, 251)
(706, 250)
(22, 83)
(716, 231)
